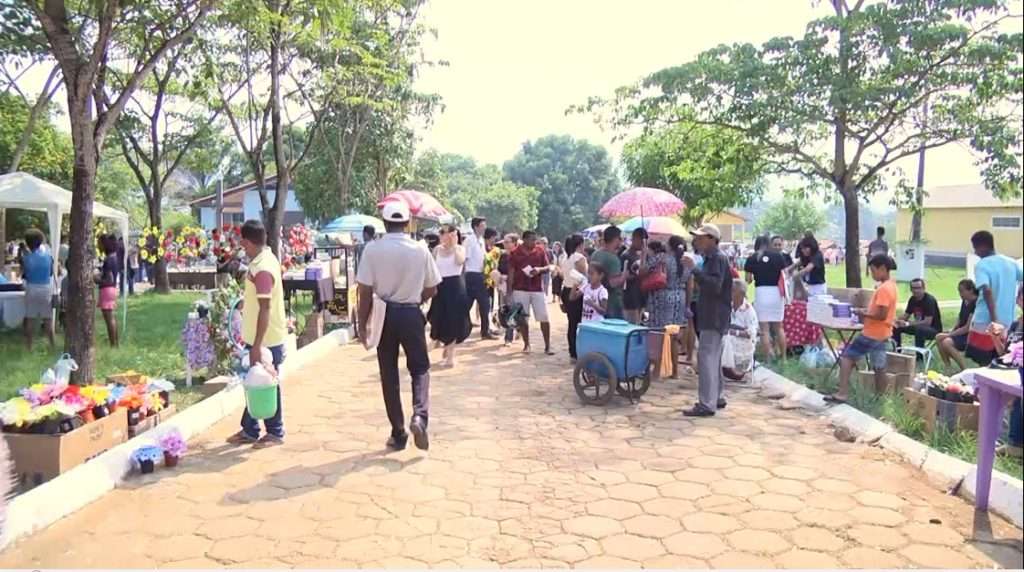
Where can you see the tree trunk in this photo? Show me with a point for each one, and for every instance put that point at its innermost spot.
(852, 210)
(275, 214)
(81, 294)
(161, 282)
(915, 221)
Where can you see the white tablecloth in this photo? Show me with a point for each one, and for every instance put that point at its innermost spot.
(12, 309)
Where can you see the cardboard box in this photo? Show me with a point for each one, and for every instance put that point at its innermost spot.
(151, 421)
(858, 297)
(40, 458)
(942, 413)
(894, 382)
(901, 363)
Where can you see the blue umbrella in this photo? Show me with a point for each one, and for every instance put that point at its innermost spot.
(353, 223)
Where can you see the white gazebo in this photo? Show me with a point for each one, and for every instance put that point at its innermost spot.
(23, 191)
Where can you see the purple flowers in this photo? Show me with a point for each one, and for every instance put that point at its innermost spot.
(195, 338)
(173, 443)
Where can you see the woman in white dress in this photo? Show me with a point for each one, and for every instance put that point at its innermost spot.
(449, 310)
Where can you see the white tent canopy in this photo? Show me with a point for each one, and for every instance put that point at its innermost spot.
(23, 191)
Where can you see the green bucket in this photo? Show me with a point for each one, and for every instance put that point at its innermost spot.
(261, 401)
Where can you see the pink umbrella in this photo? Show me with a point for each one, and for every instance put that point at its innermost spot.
(642, 201)
(421, 205)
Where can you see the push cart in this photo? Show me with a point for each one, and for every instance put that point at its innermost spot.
(613, 359)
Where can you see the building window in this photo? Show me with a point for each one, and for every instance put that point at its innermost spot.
(1006, 222)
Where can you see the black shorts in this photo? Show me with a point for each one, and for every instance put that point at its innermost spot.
(960, 342)
(978, 355)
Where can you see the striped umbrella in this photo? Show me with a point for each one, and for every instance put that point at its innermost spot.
(655, 225)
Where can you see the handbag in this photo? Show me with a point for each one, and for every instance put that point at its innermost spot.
(655, 280)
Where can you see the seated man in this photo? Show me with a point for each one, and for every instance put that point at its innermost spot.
(922, 318)
(739, 342)
(952, 344)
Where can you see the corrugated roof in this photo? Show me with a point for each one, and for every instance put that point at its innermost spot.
(964, 196)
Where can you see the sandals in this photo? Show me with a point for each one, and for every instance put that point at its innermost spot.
(834, 400)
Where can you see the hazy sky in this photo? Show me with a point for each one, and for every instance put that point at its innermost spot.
(515, 66)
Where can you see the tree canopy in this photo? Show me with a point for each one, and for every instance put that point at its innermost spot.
(843, 104)
(574, 178)
(791, 218)
(710, 168)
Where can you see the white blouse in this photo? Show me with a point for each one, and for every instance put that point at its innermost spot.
(447, 264)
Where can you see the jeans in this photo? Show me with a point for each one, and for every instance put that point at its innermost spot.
(274, 425)
(403, 328)
(1016, 433)
(709, 369)
(921, 335)
(476, 288)
(574, 312)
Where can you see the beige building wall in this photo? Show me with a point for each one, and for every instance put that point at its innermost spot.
(948, 230)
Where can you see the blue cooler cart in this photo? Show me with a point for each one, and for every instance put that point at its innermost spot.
(613, 355)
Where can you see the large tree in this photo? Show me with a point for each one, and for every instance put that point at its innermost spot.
(91, 42)
(710, 168)
(843, 104)
(791, 218)
(574, 178)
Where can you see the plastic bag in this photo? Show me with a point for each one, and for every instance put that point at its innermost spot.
(62, 370)
(826, 358)
(810, 357)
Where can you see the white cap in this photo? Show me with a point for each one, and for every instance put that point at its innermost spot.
(708, 229)
(395, 211)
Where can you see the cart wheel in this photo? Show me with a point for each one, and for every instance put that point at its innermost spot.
(592, 379)
(641, 385)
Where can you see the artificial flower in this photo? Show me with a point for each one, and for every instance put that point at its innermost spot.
(97, 393)
(173, 443)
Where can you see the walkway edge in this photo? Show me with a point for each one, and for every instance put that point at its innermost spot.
(945, 472)
(66, 494)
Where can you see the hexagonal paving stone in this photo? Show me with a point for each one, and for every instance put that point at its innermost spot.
(182, 547)
(823, 517)
(608, 562)
(469, 527)
(612, 508)
(880, 500)
(632, 546)
(740, 560)
(648, 477)
(803, 559)
(933, 534)
(369, 548)
(652, 526)
(769, 520)
(241, 549)
(879, 516)
(501, 548)
(710, 462)
(684, 490)
(703, 476)
(812, 538)
(670, 507)
(863, 557)
(794, 472)
(931, 556)
(877, 536)
(435, 548)
(758, 541)
(592, 526)
(834, 486)
(785, 487)
(747, 474)
(674, 562)
(740, 489)
(782, 503)
(695, 544)
(632, 492)
(222, 528)
(714, 523)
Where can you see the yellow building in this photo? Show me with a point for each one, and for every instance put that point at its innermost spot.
(953, 213)
(730, 223)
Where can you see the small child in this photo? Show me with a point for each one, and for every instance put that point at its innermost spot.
(594, 294)
(873, 341)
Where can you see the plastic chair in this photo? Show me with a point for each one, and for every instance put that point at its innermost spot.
(925, 353)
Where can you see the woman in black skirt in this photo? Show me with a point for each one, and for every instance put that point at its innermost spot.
(449, 310)
(573, 268)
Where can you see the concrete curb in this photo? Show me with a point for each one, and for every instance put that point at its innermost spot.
(55, 499)
(953, 475)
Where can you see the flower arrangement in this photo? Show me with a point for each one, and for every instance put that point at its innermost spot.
(173, 443)
(225, 243)
(1015, 354)
(154, 244)
(189, 244)
(195, 339)
(223, 334)
(99, 230)
(301, 240)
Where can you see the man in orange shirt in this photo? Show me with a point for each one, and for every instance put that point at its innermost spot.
(873, 341)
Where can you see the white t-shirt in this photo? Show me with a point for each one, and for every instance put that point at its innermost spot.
(595, 295)
(571, 277)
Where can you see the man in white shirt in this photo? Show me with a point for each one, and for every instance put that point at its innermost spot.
(476, 283)
(402, 273)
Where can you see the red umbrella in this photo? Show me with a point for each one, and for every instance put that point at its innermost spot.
(421, 205)
(643, 202)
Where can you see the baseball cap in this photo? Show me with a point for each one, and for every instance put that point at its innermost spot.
(395, 211)
(708, 230)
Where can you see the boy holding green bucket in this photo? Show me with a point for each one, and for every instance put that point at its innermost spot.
(263, 326)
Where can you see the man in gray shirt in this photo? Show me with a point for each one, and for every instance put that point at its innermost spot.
(402, 273)
(714, 312)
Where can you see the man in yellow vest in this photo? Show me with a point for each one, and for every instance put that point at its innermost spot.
(263, 326)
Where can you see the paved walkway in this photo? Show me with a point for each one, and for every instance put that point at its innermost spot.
(521, 475)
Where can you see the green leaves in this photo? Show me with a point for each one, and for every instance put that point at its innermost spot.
(791, 218)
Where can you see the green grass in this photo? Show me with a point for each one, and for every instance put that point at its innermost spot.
(150, 345)
(940, 281)
(892, 409)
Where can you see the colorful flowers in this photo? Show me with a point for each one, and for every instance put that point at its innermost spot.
(173, 443)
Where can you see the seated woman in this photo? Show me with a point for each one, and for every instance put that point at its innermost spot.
(738, 343)
(952, 344)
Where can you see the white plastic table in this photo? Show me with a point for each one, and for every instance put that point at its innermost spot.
(996, 388)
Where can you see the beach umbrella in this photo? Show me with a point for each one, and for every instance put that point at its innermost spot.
(354, 223)
(643, 202)
(421, 205)
(655, 225)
